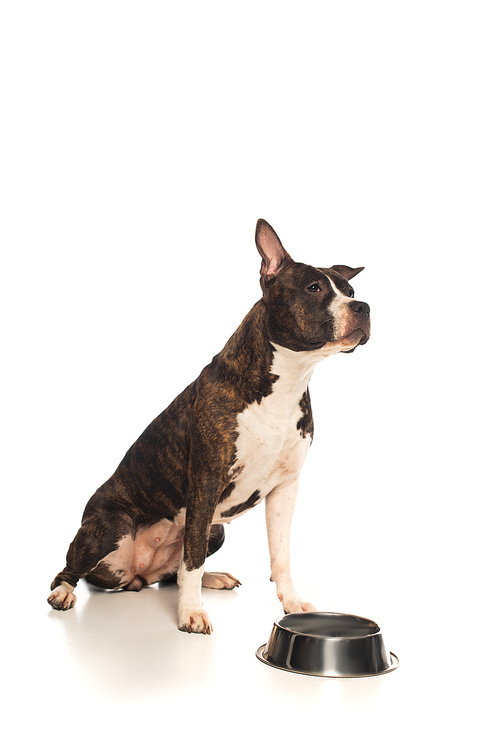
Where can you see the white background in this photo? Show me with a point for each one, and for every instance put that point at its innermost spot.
(140, 143)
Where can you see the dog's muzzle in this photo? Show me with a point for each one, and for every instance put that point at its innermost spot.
(360, 319)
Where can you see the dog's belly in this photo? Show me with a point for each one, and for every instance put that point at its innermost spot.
(154, 554)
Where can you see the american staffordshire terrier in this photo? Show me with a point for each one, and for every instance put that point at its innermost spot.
(237, 435)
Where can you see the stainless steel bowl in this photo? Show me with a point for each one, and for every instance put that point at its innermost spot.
(320, 643)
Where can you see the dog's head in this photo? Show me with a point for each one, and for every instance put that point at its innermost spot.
(309, 309)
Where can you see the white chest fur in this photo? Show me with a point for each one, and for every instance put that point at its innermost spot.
(270, 447)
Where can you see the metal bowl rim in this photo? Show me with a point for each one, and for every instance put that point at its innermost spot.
(283, 628)
(393, 666)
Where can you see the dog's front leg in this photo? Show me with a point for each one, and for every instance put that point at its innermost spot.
(280, 504)
(192, 616)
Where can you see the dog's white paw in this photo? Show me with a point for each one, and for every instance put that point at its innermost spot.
(195, 621)
(296, 605)
(62, 598)
(219, 581)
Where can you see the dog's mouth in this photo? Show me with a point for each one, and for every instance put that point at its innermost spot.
(318, 343)
(361, 342)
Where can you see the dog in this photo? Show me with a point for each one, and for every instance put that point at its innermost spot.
(237, 435)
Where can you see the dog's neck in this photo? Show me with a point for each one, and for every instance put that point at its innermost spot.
(251, 362)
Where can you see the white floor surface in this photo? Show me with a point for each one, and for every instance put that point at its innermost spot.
(116, 671)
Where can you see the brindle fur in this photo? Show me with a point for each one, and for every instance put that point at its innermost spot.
(183, 460)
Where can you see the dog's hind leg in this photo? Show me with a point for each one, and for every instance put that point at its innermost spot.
(98, 535)
(62, 597)
(218, 580)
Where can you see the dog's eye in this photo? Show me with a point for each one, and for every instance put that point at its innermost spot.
(314, 287)
(351, 293)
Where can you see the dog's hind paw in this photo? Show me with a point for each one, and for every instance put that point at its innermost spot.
(219, 581)
(135, 584)
(195, 621)
(62, 598)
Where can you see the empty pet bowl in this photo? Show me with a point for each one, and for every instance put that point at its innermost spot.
(326, 644)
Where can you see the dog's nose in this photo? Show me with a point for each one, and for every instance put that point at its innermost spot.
(361, 308)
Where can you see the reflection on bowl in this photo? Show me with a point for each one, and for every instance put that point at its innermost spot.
(320, 643)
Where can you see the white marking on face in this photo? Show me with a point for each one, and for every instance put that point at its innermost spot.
(335, 288)
(340, 311)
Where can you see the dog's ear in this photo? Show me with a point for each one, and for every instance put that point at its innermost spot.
(346, 272)
(273, 254)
